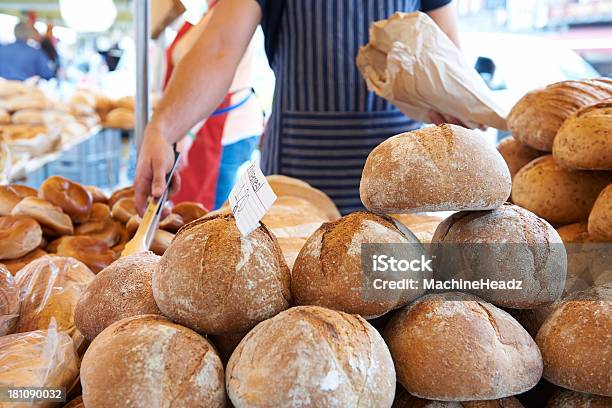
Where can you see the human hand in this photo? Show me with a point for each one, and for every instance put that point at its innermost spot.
(155, 160)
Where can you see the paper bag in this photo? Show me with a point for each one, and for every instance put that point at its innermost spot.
(410, 62)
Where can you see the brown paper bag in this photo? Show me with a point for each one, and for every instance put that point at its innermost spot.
(410, 62)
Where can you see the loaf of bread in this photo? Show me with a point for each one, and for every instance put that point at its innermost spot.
(50, 288)
(457, 347)
(504, 245)
(108, 231)
(287, 186)
(291, 247)
(9, 302)
(423, 226)
(438, 168)
(14, 265)
(189, 211)
(516, 154)
(600, 219)
(536, 117)
(124, 209)
(91, 251)
(121, 290)
(50, 217)
(555, 194)
(41, 358)
(117, 195)
(311, 356)
(28, 117)
(71, 197)
(328, 270)
(575, 342)
(19, 235)
(571, 399)
(9, 198)
(97, 195)
(574, 233)
(120, 118)
(292, 216)
(148, 361)
(584, 141)
(209, 266)
(5, 117)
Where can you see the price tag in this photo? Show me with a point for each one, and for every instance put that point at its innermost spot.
(250, 199)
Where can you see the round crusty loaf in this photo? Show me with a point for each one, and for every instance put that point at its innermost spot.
(9, 302)
(121, 290)
(50, 288)
(423, 226)
(404, 400)
(328, 270)
(216, 281)
(457, 347)
(584, 141)
(600, 219)
(438, 168)
(575, 342)
(310, 356)
(555, 194)
(285, 186)
(571, 399)
(503, 245)
(536, 117)
(148, 361)
(516, 154)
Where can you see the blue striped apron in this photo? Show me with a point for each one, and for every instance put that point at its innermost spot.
(324, 121)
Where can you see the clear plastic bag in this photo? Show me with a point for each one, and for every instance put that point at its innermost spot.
(9, 302)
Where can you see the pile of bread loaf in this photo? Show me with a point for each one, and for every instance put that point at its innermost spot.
(114, 113)
(32, 123)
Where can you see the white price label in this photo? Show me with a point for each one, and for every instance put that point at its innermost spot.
(250, 199)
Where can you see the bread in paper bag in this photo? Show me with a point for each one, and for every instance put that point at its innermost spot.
(410, 62)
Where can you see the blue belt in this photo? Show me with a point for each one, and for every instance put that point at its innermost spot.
(232, 107)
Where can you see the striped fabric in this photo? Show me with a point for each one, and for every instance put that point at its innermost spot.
(324, 121)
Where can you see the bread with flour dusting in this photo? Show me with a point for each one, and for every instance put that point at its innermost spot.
(328, 270)
(148, 361)
(310, 356)
(121, 290)
(216, 281)
(571, 399)
(575, 342)
(457, 347)
(437, 168)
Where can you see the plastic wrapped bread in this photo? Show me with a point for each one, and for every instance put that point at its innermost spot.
(410, 62)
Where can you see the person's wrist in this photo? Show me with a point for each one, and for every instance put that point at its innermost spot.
(160, 129)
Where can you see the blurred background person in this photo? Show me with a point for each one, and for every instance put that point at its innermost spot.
(21, 60)
(48, 45)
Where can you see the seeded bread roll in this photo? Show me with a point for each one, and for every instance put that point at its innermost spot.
(216, 281)
(584, 141)
(121, 290)
(506, 244)
(457, 347)
(516, 154)
(571, 399)
(311, 357)
(438, 168)
(555, 194)
(328, 270)
(575, 342)
(600, 219)
(148, 361)
(537, 116)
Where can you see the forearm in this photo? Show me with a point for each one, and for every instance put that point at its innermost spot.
(445, 17)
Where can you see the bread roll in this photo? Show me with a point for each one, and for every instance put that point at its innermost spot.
(50, 217)
(574, 233)
(19, 235)
(555, 194)
(148, 361)
(209, 266)
(91, 251)
(505, 245)
(28, 117)
(126, 102)
(125, 192)
(584, 141)
(41, 358)
(600, 219)
(161, 239)
(123, 209)
(107, 231)
(121, 290)
(100, 212)
(575, 342)
(14, 265)
(120, 118)
(71, 197)
(292, 187)
(328, 271)
(97, 195)
(9, 198)
(311, 356)
(171, 223)
(9, 302)
(24, 191)
(50, 288)
(189, 211)
(571, 399)
(537, 116)
(423, 226)
(457, 347)
(5, 117)
(438, 168)
(516, 154)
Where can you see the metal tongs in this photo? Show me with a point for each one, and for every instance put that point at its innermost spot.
(146, 231)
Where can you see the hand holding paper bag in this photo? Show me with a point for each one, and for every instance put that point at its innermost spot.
(411, 63)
